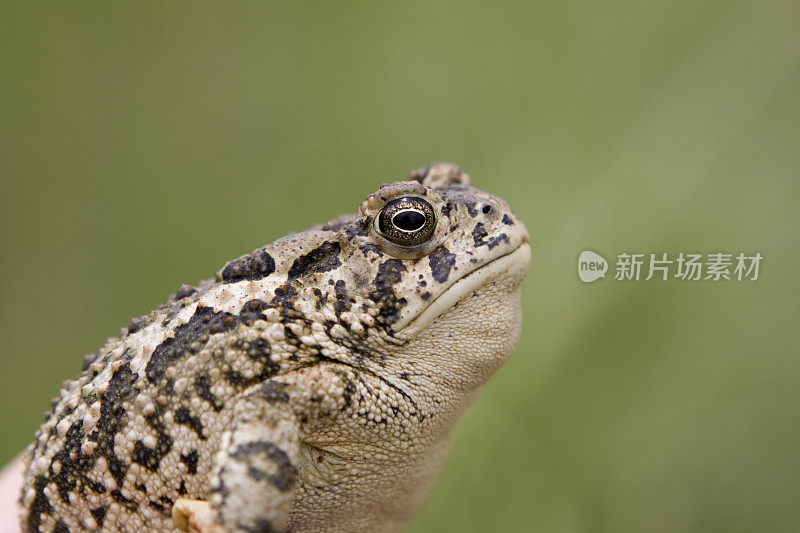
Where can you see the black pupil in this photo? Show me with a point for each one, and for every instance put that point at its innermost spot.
(409, 220)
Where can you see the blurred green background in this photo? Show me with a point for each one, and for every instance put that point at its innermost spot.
(144, 144)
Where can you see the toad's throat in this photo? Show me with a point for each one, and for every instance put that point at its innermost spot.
(515, 263)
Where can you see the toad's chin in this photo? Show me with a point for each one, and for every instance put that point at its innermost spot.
(512, 266)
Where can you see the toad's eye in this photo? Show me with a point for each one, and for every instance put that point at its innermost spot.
(407, 221)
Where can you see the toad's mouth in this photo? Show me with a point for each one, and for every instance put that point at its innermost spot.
(514, 264)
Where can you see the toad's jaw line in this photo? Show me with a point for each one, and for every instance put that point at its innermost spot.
(519, 259)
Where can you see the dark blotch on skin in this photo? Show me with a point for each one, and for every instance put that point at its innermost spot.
(389, 273)
(202, 384)
(355, 229)
(150, 458)
(320, 259)
(238, 380)
(183, 416)
(256, 265)
(274, 392)
(342, 302)
(157, 506)
(479, 235)
(41, 505)
(261, 526)
(253, 310)
(258, 351)
(507, 220)
(287, 473)
(255, 473)
(99, 514)
(122, 500)
(284, 299)
(204, 322)
(367, 248)
(112, 417)
(60, 527)
(74, 465)
(320, 298)
(190, 460)
(442, 262)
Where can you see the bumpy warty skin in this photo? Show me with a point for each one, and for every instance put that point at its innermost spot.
(312, 386)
